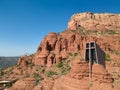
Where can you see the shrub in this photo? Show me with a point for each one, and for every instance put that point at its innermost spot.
(51, 73)
(107, 57)
(111, 32)
(70, 54)
(1, 72)
(75, 54)
(43, 70)
(119, 75)
(30, 64)
(37, 77)
(115, 52)
(72, 30)
(27, 75)
(8, 85)
(112, 86)
(59, 65)
(91, 84)
(101, 32)
(65, 69)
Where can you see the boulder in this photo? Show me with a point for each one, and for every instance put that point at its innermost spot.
(24, 84)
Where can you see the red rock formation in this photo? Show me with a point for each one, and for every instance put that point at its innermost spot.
(101, 79)
(56, 47)
(45, 85)
(78, 78)
(100, 74)
(25, 60)
(94, 21)
(79, 70)
(24, 84)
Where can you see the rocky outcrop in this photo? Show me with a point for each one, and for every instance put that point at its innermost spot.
(56, 47)
(68, 83)
(45, 85)
(25, 60)
(101, 79)
(24, 84)
(100, 74)
(94, 21)
(78, 78)
(79, 70)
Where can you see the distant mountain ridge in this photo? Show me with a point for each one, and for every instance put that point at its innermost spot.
(8, 61)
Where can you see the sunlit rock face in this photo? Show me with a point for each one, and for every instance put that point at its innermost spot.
(78, 78)
(103, 29)
(94, 21)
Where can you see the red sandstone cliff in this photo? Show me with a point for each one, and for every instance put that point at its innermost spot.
(56, 47)
(66, 47)
(94, 21)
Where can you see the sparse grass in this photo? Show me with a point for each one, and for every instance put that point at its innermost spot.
(65, 69)
(30, 64)
(37, 77)
(27, 75)
(91, 84)
(89, 32)
(119, 75)
(43, 70)
(70, 54)
(98, 32)
(107, 57)
(111, 32)
(75, 54)
(72, 30)
(59, 65)
(40, 69)
(1, 72)
(112, 86)
(114, 52)
(51, 73)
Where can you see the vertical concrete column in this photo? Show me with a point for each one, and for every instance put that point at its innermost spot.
(90, 64)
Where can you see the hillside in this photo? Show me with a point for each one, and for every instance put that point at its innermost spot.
(95, 21)
(60, 64)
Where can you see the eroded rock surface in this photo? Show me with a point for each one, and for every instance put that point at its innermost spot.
(94, 21)
(78, 78)
(56, 47)
(24, 84)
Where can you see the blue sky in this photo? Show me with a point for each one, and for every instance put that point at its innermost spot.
(24, 23)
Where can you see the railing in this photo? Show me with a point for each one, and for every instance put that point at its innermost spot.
(3, 84)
